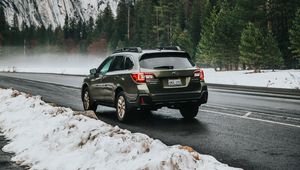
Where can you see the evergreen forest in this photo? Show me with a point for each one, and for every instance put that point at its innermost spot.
(224, 34)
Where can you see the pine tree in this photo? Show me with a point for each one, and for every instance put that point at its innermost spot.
(102, 34)
(15, 34)
(78, 31)
(90, 30)
(181, 18)
(144, 33)
(157, 28)
(66, 28)
(59, 38)
(227, 35)
(121, 26)
(195, 22)
(73, 33)
(206, 10)
(295, 36)
(3, 24)
(220, 38)
(42, 35)
(121, 20)
(15, 21)
(83, 38)
(252, 11)
(90, 25)
(272, 55)
(49, 35)
(183, 40)
(107, 22)
(84, 30)
(252, 47)
(3, 29)
(98, 26)
(205, 49)
(280, 16)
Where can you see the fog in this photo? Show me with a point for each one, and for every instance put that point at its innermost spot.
(50, 63)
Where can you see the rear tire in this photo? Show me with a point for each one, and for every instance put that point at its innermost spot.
(88, 103)
(122, 107)
(189, 111)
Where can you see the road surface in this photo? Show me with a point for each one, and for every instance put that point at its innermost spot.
(241, 129)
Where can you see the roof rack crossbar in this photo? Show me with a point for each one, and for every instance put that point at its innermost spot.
(177, 48)
(129, 49)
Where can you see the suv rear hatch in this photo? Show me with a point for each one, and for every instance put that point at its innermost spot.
(170, 72)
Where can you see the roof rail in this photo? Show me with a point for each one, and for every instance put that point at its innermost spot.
(176, 48)
(129, 49)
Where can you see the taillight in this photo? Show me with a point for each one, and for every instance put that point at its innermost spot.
(199, 73)
(141, 77)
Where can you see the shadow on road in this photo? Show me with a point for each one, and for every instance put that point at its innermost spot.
(162, 120)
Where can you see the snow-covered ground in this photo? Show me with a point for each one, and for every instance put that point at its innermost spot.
(46, 137)
(80, 65)
(289, 79)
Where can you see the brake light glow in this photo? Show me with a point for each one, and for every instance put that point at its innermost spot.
(141, 77)
(199, 73)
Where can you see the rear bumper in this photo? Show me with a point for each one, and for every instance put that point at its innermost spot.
(175, 100)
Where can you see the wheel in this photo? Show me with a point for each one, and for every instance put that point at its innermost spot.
(121, 107)
(189, 111)
(88, 103)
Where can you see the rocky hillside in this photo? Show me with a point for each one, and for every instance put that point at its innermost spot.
(53, 12)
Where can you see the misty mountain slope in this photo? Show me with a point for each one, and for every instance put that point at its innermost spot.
(53, 12)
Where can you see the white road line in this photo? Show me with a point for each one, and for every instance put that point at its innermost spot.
(247, 114)
(219, 106)
(254, 112)
(278, 116)
(250, 118)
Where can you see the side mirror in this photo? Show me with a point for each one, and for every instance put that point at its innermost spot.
(93, 71)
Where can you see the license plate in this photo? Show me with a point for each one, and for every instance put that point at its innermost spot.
(174, 82)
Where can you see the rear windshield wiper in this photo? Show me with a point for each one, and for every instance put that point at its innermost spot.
(164, 67)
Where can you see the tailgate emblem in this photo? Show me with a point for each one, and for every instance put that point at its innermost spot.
(174, 73)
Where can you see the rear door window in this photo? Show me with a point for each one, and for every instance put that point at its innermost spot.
(117, 64)
(128, 64)
(166, 61)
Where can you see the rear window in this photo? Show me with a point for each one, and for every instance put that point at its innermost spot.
(166, 61)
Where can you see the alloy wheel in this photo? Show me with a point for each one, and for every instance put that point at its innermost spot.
(121, 108)
(86, 100)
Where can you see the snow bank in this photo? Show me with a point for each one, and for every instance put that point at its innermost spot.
(47, 137)
(289, 79)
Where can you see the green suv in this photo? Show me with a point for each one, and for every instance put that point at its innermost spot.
(132, 79)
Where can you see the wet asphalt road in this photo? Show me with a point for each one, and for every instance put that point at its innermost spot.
(242, 130)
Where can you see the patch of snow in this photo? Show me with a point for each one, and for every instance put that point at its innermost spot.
(289, 79)
(47, 137)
